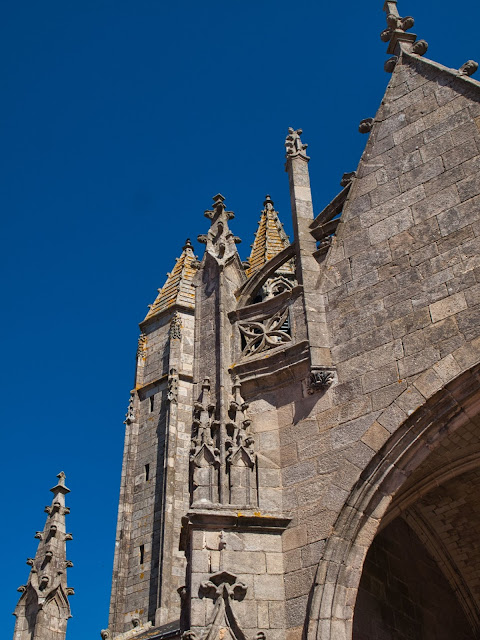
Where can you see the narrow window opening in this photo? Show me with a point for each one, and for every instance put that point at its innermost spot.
(147, 472)
(152, 403)
(142, 553)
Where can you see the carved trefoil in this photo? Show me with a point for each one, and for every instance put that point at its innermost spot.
(204, 452)
(223, 588)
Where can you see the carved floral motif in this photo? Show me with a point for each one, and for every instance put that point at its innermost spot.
(265, 334)
(176, 327)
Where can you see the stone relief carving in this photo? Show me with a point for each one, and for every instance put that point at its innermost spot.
(265, 334)
(204, 451)
(293, 143)
(240, 458)
(319, 380)
(389, 65)
(365, 125)
(275, 286)
(176, 327)
(130, 415)
(420, 47)
(395, 23)
(172, 393)
(223, 588)
(469, 68)
(142, 346)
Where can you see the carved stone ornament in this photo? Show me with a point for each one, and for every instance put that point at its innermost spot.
(142, 346)
(223, 587)
(203, 440)
(294, 145)
(420, 47)
(172, 394)
(395, 23)
(389, 65)
(239, 436)
(265, 334)
(468, 68)
(130, 415)
(220, 240)
(347, 178)
(365, 125)
(176, 327)
(106, 634)
(319, 380)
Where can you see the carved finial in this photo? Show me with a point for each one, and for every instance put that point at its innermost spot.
(220, 240)
(468, 68)
(397, 27)
(294, 144)
(268, 203)
(188, 245)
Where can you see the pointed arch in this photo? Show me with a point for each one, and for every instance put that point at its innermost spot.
(339, 571)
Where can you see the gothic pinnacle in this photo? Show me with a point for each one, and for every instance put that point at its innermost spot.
(47, 579)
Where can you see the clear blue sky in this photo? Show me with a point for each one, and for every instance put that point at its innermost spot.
(119, 121)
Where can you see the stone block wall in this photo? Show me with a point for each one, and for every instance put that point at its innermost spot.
(402, 283)
(156, 493)
(256, 560)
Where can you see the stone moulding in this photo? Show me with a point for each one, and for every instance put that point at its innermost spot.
(217, 517)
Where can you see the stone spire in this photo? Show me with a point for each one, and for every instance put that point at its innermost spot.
(43, 609)
(270, 239)
(178, 288)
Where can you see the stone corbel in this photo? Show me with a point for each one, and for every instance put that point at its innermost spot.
(319, 380)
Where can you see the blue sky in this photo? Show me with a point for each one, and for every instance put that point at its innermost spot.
(119, 121)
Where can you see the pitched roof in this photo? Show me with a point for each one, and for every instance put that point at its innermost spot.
(178, 288)
(270, 239)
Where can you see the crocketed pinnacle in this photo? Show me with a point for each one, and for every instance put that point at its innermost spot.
(178, 288)
(47, 582)
(270, 239)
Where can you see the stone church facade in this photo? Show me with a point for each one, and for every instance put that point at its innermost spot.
(302, 449)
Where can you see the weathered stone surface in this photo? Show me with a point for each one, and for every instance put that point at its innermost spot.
(389, 314)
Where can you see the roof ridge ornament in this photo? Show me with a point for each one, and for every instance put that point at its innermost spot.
(397, 37)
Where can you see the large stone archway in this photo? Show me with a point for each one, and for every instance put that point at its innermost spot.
(398, 476)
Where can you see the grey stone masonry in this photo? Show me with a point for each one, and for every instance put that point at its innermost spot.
(43, 609)
(274, 430)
